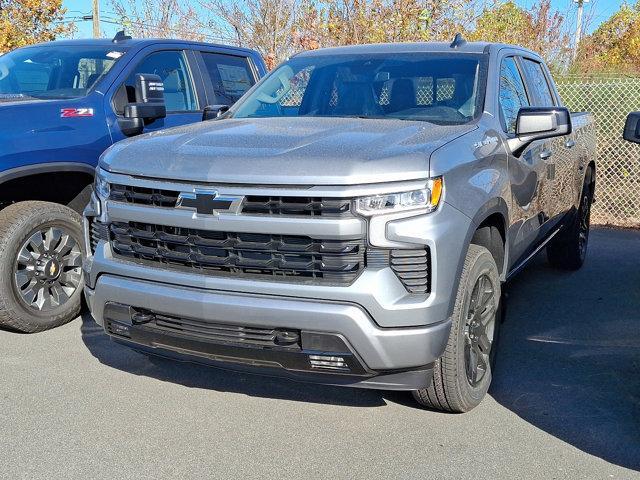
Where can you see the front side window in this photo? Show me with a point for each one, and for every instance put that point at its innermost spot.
(541, 94)
(440, 88)
(171, 67)
(54, 72)
(230, 76)
(512, 94)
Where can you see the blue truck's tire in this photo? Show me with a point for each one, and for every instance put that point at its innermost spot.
(39, 246)
(454, 387)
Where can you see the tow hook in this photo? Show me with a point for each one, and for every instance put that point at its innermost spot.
(140, 318)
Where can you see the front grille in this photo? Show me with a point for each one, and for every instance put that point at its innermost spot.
(305, 206)
(413, 268)
(241, 254)
(143, 196)
(252, 205)
(221, 333)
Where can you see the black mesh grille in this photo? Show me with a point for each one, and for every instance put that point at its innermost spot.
(252, 205)
(241, 254)
(218, 332)
(413, 268)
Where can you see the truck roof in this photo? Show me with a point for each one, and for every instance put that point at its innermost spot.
(136, 42)
(408, 47)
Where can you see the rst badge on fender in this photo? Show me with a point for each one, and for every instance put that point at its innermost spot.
(76, 112)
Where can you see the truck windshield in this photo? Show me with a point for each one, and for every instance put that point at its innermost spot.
(445, 89)
(52, 72)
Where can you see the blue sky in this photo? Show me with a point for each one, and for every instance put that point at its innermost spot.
(597, 10)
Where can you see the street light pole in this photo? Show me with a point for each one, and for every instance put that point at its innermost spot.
(578, 37)
(96, 18)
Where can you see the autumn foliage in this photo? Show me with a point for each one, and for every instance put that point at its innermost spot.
(24, 22)
(614, 46)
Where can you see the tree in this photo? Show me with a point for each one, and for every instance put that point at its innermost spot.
(160, 19)
(346, 22)
(264, 25)
(24, 22)
(614, 46)
(540, 29)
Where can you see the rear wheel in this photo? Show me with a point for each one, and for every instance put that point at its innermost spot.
(463, 374)
(41, 252)
(569, 250)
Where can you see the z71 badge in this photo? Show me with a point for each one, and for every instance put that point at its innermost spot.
(76, 112)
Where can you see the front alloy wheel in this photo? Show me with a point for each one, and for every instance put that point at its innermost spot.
(479, 330)
(41, 248)
(48, 269)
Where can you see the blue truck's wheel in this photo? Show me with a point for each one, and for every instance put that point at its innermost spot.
(41, 252)
(462, 375)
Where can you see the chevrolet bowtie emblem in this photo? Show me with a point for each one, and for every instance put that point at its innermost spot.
(208, 202)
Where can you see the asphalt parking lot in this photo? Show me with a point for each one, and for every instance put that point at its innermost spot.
(565, 402)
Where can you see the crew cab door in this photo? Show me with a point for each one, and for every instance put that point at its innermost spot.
(527, 171)
(182, 89)
(557, 154)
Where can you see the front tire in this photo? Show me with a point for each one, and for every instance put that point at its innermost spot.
(41, 251)
(463, 374)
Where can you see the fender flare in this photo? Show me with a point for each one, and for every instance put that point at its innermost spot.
(50, 167)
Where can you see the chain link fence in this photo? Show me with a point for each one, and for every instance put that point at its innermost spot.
(610, 98)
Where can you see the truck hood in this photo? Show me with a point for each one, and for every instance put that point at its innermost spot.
(285, 151)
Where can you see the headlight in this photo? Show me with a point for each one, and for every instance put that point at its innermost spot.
(424, 199)
(101, 186)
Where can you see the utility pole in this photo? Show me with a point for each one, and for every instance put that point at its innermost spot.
(96, 18)
(578, 37)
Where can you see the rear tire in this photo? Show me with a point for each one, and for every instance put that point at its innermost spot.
(569, 250)
(462, 375)
(41, 249)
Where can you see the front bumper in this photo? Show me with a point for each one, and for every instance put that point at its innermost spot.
(388, 358)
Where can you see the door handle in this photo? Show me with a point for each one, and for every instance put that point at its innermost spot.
(545, 154)
(570, 144)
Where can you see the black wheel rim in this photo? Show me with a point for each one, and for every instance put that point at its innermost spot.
(48, 269)
(583, 227)
(479, 329)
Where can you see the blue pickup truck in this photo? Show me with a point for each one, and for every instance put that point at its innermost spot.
(61, 105)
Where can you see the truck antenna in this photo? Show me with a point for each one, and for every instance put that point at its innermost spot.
(120, 37)
(458, 41)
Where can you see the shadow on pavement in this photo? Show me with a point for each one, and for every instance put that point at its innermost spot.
(569, 358)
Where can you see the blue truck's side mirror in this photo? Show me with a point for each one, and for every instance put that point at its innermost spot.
(149, 105)
(632, 128)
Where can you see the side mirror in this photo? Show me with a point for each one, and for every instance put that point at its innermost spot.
(538, 123)
(632, 128)
(149, 105)
(213, 111)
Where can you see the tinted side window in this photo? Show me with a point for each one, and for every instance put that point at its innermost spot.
(541, 94)
(512, 95)
(171, 66)
(230, 76)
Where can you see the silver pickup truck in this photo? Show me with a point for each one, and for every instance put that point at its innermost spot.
(350, 221)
